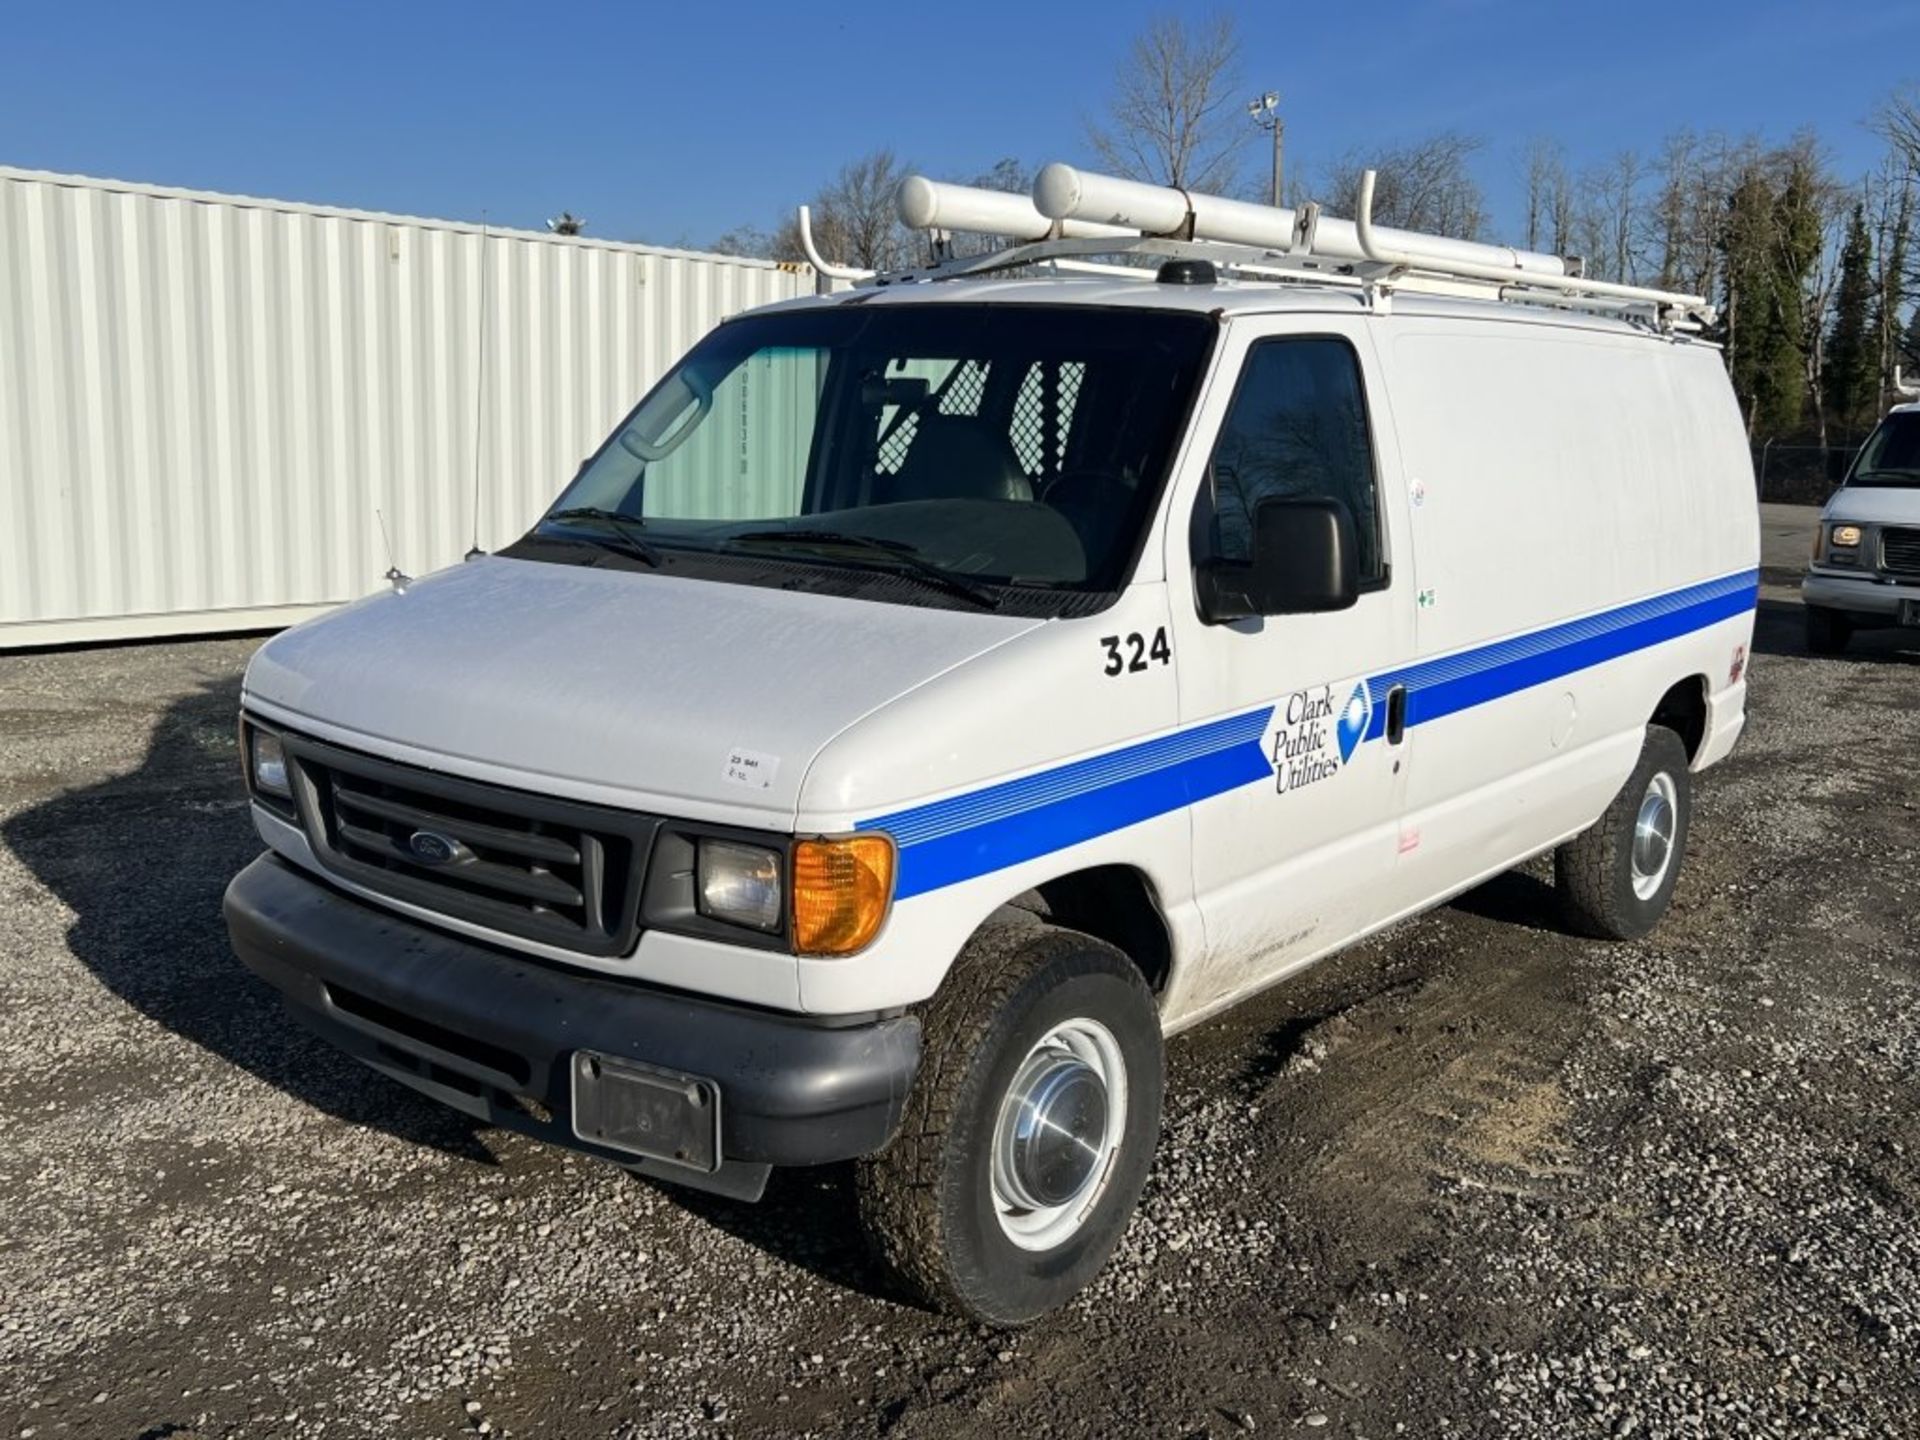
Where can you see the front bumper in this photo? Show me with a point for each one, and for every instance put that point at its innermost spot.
(1866, 596)
(487, 1031)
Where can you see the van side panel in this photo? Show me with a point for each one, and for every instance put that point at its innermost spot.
(1585, 536)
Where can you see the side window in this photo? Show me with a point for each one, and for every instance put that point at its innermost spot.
(1298, 428)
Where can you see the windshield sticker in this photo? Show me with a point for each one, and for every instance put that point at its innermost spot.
(754, 769)
(1314, 736)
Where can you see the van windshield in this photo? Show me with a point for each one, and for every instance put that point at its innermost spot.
(1891, 455)
(946, 454)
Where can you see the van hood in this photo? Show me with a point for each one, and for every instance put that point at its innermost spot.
(1875, 505)
(607, 685)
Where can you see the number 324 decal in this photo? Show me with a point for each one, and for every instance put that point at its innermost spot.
(1130, 654)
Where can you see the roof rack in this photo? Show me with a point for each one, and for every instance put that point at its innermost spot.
(1078, 222)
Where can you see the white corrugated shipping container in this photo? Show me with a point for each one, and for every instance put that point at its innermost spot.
(206, 399)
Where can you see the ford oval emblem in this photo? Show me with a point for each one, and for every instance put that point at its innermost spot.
(430, 847)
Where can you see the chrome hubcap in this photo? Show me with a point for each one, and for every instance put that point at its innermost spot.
(1653, 835)
(1058, 1133)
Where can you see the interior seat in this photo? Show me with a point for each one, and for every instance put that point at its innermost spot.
(958, 457)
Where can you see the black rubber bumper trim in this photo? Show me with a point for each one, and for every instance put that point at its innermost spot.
(471, 1020)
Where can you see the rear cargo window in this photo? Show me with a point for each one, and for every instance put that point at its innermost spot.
(1297, 429)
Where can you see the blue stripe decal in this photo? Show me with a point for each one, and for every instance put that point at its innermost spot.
(1438, 688)
(968, 835)
(963, 836)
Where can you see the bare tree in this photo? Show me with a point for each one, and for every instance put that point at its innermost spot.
(1687, 232)
(1892, 201)
(1608, 216)
(1549, 197)
(1175, 117)
(1898, 122)
(857, 213)
(1891, 196)
(1683, 201)
(1425, 185)
(744, 240)
(1817, 295)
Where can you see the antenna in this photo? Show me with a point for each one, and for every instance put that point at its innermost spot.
(394, 576)
(479, 387)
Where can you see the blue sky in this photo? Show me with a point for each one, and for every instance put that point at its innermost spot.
(675, 122)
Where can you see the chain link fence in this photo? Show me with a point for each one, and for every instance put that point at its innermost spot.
(1801, 474)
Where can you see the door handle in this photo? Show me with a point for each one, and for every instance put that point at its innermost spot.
(1396, 714)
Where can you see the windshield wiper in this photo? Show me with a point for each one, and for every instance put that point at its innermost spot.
(626, 536)
(895, 557)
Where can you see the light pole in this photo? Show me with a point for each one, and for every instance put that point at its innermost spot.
(1265, 110)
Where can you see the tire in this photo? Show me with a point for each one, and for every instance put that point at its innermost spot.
(929, 1201)
(1606, 890)
(1828, 631)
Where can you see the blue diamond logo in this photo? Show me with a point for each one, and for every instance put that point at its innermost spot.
(1352, 728)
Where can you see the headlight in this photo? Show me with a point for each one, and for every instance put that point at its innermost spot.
(841, 890)
(740, 884)
(1846, 537)
(269, 763)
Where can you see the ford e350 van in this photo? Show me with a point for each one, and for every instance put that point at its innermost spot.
(934, 694)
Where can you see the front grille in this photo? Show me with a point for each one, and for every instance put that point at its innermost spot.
(525, 864)
(1900, 551)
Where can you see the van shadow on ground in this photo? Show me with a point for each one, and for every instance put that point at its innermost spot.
(142, 861)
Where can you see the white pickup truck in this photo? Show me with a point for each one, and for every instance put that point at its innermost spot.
(934, 694)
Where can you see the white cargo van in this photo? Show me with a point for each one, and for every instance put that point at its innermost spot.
(934, 694)
(1865, 573)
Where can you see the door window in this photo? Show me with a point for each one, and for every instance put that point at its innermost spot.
(1297, 428)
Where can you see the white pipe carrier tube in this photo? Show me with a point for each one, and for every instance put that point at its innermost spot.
(1063, 193)
(1340, 240)
(936, 205)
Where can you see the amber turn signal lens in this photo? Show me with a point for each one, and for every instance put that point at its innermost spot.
(840, 892)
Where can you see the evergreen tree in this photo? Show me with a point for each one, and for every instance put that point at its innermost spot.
(1851, 381)
(1770, 244)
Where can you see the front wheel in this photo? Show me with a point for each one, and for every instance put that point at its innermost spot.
(1030, 1128)
(1616, 880)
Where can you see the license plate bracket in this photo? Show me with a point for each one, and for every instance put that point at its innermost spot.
(1910, 612)
(645, 1110)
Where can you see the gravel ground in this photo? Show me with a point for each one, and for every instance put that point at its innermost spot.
(1476, 1177)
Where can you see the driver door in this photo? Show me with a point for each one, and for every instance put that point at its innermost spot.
(1289, 859)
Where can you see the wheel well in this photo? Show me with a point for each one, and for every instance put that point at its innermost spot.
(1683, 710)
(1114, 903)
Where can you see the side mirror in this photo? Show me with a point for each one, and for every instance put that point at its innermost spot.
(1305, 560)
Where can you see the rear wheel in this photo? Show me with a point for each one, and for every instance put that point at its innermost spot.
(1030, 1129)
(1828, 631)
(1616, 880)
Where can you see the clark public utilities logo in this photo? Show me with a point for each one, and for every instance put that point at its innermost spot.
(1314, 740)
